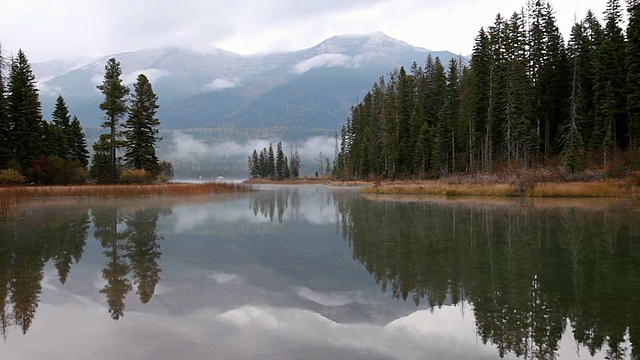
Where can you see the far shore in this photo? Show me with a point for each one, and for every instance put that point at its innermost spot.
(475, 187)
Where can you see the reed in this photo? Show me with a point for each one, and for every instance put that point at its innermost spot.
(603, 188)
(121, 191)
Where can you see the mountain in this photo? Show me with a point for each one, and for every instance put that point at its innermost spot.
(312, 88)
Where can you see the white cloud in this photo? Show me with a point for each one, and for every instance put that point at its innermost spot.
(152, 74)
(221, 84)
(186, 147)
(325, 299)
(323, 60)
(47, 89)
(224, 278)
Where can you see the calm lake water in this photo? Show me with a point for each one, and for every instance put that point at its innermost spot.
(320, 273)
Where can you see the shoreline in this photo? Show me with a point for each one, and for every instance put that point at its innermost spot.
(452, 187)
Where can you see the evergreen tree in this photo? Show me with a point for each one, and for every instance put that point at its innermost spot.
(610, 84)
(142, 127)
(254, 165)
(115, 108)
(481, 82)
(78, 143)
(61, 142)
(101, 165)
(6, 151)
(24, 115)
(295, 164)
(280, 162)
(633, 74)
(271, 162)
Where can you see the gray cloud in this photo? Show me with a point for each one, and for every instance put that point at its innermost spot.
(74, 28)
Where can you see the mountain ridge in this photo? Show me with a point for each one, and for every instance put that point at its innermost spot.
(221, 88)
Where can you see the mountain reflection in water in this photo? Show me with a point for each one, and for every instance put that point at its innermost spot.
(526, 278)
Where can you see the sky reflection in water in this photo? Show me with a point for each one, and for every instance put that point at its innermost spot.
(294, 273)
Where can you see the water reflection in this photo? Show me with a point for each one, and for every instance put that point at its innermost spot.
(296, 268)
(528, 272)
(131, 247)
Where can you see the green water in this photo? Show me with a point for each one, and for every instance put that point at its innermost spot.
(320, 273)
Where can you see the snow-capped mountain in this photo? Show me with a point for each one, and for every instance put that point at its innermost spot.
(310, 88)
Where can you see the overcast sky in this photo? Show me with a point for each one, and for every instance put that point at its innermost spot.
(49, 29)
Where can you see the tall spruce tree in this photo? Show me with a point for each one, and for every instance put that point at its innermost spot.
(115, 108)
(610, 84)
(142, 127)
(280, 162)
(78, 143)
(61, 126)
(6, 151)
(633, 74)
(24, 113)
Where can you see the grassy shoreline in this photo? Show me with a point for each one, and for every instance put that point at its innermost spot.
(459, 186)
(121, 191)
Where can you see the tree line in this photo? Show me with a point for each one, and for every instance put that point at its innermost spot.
(526, 97)
(35, 150)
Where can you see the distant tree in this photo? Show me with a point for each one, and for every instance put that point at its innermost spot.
(254, 164)
(271, 162)
(142, 127)
(286, 172)
(280, 162)
(115, 108)
(263, 169)
(295, 164)
(24, 115)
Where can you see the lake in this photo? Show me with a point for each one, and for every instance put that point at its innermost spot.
(315, 272)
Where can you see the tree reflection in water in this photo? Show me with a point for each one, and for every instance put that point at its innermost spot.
(131, 248)
(528, 272)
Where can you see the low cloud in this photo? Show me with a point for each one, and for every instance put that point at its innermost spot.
(152, 74)
(221, 84)
(187, 147)
(325, 60)
(47, 89)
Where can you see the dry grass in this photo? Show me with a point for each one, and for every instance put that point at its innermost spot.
(121, 191)
(12, 198)
(602, 188)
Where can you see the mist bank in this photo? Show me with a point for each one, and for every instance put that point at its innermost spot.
(197, 157)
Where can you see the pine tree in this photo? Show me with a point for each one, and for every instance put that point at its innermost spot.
(280, 162)
(78, 143)
(6, 151)
(115, 108)
(61, 119)
(24, 114)
(610, 84)
(142, 127)
(271, 162)
(481, 83)
(254, 164)
(633, 74)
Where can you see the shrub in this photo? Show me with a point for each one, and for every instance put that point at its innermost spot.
(11, 177)
(136, 176)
